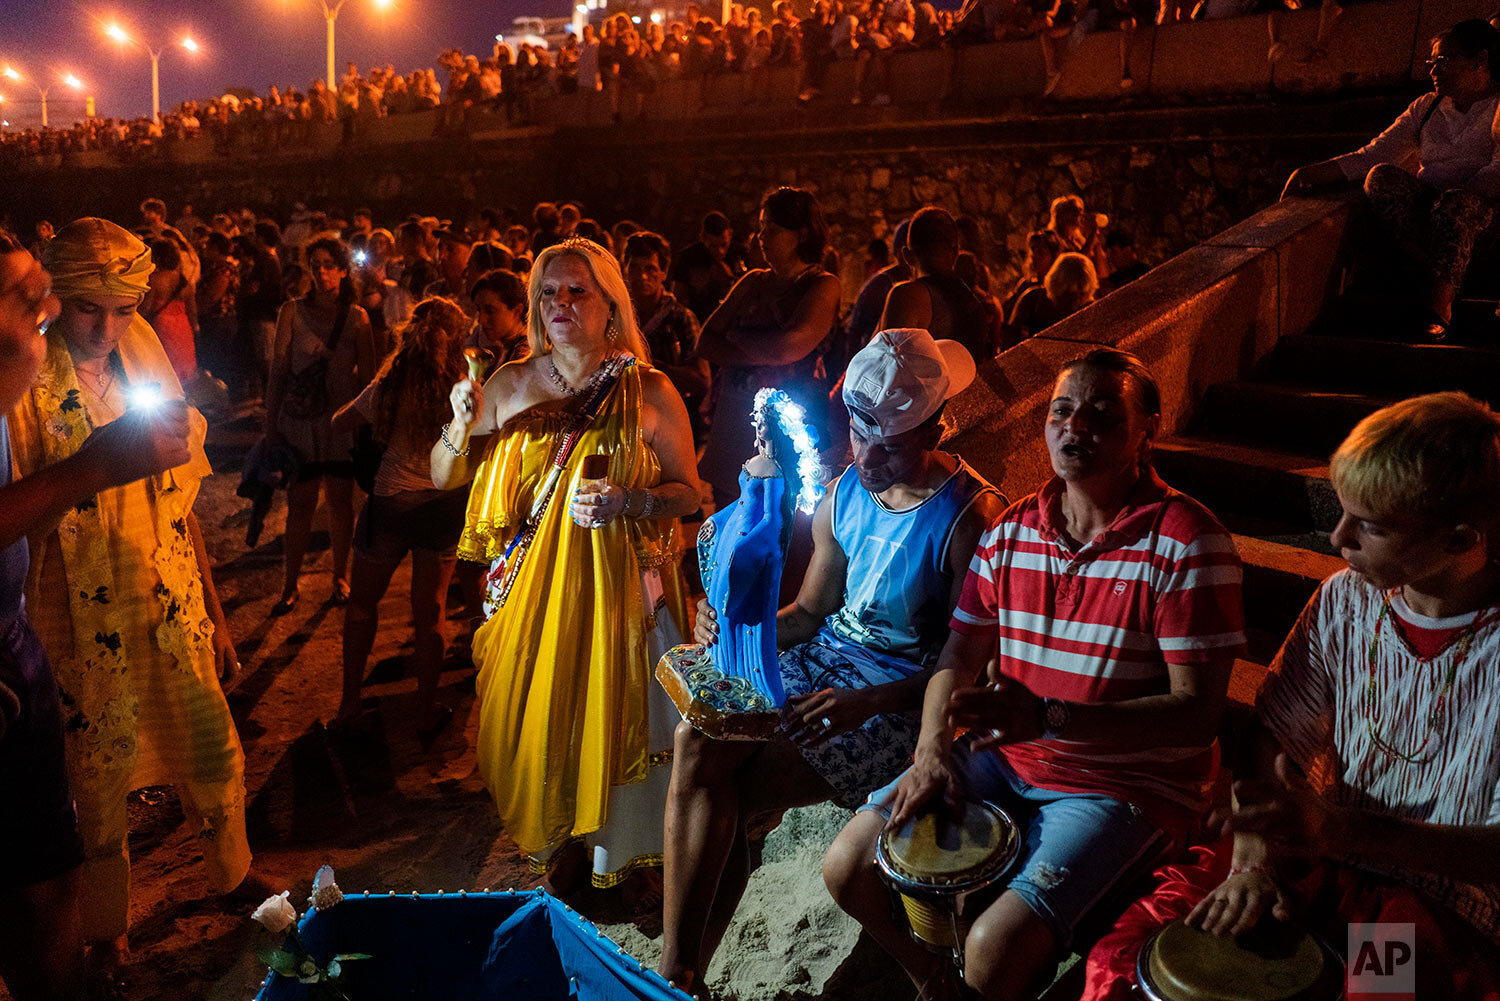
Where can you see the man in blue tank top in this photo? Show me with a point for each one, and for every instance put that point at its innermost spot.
(892, 540)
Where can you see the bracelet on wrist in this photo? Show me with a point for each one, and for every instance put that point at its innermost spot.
(1262, 867)
(449, 445)
(648, 504)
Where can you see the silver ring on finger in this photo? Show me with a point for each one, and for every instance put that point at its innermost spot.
(825, 723)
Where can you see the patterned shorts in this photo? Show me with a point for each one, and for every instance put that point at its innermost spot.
(864, 759)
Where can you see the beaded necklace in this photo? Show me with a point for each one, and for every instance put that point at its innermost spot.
(1440, 703)
(567, 387)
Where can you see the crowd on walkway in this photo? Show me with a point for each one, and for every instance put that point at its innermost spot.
(533, 409)
(626, 58)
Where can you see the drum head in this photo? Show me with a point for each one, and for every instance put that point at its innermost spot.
(1275, 962)
(935, 850)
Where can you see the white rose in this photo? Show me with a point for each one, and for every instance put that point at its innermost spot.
(325, 892)
(276, 914)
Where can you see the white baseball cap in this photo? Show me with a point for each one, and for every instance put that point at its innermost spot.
(901, 378)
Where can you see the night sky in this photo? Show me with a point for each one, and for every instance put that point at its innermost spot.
(246, 43)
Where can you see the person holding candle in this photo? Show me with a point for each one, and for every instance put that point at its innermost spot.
(585, 593)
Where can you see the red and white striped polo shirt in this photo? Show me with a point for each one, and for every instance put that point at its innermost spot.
(1100, 624)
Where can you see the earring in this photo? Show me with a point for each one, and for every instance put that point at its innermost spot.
(611, 331)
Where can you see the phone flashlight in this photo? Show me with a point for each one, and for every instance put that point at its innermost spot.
(146, 397)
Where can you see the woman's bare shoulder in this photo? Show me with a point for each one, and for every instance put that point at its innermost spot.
(512, 388)
(512, 375)
(654, 382)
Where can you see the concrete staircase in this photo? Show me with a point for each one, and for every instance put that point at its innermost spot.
(1258, 456)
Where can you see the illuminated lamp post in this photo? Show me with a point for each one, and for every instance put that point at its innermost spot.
(11, 73)
(120, 35)
(330, 15)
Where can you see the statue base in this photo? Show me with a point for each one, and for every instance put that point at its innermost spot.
(719, 707)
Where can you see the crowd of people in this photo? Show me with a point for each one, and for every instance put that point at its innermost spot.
(627, 57)
(534, 412)
(220, 283)
(241, 119)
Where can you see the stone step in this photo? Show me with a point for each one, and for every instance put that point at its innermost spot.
(1234, 478)
(1279, 580)
(1303, 419)
(1383, 306)
(1387, 367)
(1244, 681)
(1270, 530)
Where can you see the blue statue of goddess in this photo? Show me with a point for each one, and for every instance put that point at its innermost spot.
(741, 550)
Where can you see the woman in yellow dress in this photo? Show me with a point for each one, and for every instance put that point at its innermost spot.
(586, 592)
(120, 592)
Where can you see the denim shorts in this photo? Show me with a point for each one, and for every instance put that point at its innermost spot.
(1077, 849)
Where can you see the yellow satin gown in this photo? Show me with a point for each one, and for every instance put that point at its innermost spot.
(574, 732)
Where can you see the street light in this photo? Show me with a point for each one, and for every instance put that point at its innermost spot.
(330, 15)
(120, 35)
(11, 73)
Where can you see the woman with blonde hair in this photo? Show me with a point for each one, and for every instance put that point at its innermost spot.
(1070, 285)
(1079, 230)
(584, 593)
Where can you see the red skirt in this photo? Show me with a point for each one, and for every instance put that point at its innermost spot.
(1453, 961)
(176, 336)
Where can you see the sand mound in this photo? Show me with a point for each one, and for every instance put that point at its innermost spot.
(788, 941)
